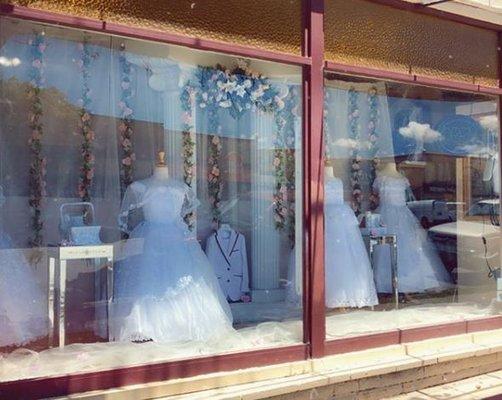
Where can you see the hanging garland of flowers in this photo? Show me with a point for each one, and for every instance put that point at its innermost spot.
(187, 99)
(38, 162)
(237, 91)
(284, 164)
(126, 121)
(85, 123)
(355, 158)
(373, 135)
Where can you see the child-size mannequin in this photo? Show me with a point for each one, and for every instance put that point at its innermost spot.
(349, 277)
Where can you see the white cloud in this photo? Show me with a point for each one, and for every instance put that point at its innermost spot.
(490, 122)
(420, 132)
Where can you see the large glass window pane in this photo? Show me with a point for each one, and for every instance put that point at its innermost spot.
(412, 206)
(150, 202)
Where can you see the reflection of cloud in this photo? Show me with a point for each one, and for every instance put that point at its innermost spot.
(345, 143)
(420, 132)
(490, 122)
(477, 149)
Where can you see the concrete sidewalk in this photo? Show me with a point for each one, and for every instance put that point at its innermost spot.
(487, 386)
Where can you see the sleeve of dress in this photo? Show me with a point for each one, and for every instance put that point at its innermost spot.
(190, 202)
(130, 203)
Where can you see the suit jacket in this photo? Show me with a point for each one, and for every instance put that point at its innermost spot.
(226, 250)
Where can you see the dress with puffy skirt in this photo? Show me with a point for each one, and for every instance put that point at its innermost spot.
(418, 263)
(23, 312)
(349, 277)
(169, 291)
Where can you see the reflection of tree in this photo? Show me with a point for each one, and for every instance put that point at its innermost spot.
(60, 119)
(14, 104)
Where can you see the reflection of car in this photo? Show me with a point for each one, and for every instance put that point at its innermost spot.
(453, 207)
(470, 250)
(430, 212)
(485, 208)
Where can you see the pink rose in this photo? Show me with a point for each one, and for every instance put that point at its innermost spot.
(215, 171)
(187, 118)
(41, 47)
(37, 63)
(86, 117)
(245, 298)
(127, 161)
(277, 162)
(125, 85)
(122, 127)
(216, 140)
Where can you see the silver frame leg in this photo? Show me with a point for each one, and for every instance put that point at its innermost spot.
(51, 277)
(62, 301)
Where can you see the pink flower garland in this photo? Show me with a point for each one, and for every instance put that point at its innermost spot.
(85, 125)
(126, 123)
(188, 142)
(38, 167)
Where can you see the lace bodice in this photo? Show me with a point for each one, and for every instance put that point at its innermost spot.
(333, 190)
(161, 202)
(392, 190)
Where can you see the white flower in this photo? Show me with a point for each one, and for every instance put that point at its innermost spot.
(240, 90)
(204, 96)
(247, 83)
(225, 104)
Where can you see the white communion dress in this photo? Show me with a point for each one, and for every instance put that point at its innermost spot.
(349, 277)
(168, 292)
(418, 263)
(22, 307)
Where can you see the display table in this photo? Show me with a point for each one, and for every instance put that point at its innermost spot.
(373, 239)
(58, 258)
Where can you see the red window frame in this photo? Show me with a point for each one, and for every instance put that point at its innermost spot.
(313, 64)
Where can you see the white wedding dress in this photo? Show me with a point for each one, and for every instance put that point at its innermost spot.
(349, 277)
(168, 292)
(23, 312)
(419, 265)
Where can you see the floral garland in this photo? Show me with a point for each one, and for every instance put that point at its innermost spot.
(373, 135)
(237, 90)
(38, 165)
(126, 123)
(187, 99)
(85, 124)
(354, 132)
(284, 164)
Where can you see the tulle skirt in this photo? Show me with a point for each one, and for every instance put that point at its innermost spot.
(418, 263)
(169, 293)
(349, 277)
(23, 313)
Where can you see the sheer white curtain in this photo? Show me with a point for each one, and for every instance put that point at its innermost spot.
(339, 138)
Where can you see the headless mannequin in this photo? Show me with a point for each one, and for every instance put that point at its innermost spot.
(388, 169)
(161, 171)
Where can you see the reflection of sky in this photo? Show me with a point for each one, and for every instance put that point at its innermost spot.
(62, 72)
(459, 134)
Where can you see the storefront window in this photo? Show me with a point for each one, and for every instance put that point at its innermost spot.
(412, 206)
(150, 202)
